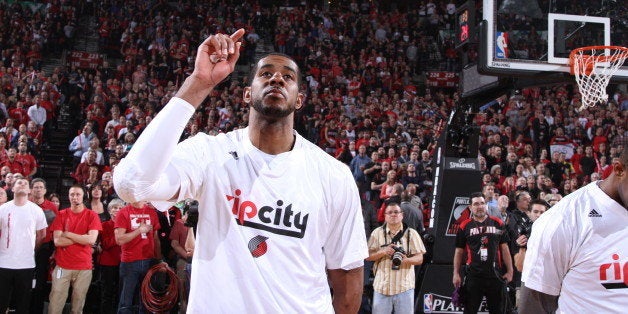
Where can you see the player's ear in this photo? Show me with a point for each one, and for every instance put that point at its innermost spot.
(247, 95)
(619, 168)
(299, 104)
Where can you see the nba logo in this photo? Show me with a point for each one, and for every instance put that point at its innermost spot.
(428, 300)
(501, 45)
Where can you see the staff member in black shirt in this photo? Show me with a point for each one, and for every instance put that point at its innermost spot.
(485, 242)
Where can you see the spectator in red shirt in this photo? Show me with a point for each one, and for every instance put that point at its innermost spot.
(28, 161)
(354, 86)
(109, 260)
(599, 138)
(19, 114)
(82, 173)
(178, 237)
(45, 250)
(575, 160)
(34, 133)
(46, 103)
(13, 163)
(75, 231)
(97, 117)
(136, 227)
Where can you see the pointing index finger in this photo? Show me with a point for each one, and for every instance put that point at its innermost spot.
(234, 39)
(237, 35)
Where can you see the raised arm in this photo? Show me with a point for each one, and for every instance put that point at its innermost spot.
(215, 60)
(147, 173)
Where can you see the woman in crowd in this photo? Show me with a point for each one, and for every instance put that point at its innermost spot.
(567, 187)
(109, 260)
(508, 187)
(544, 157)
(129, 140)
(528, 151)
(54, 198)
(378, 179)
(95, 203)
(387, 186)
(528, 167)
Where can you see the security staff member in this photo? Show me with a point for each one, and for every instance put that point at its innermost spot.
(485, 241)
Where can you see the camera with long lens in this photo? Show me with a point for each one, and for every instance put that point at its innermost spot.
(397, 257)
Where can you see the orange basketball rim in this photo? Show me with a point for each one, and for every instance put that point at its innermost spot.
(593, 68)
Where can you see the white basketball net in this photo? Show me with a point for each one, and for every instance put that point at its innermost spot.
(593, 68)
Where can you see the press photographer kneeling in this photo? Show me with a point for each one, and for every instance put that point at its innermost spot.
(395, 249)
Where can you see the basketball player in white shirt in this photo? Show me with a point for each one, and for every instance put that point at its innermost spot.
(278, 217)
(577, 257)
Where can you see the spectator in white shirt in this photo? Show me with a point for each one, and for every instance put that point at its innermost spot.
(37, 113)
(94, 144)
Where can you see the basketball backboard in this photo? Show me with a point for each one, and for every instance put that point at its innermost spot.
(535, 37)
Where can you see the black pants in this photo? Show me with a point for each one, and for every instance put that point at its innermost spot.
(110, 289)
(42, 286)
(16, 283)
(477, 287)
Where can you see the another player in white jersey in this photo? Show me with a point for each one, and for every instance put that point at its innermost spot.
(279, 219)
(577, 257)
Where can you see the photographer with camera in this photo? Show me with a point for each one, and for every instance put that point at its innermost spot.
(485, 241)
(537, 208)
(518, 224)
(395, 248)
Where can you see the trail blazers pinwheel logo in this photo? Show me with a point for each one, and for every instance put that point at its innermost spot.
(258, 246)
